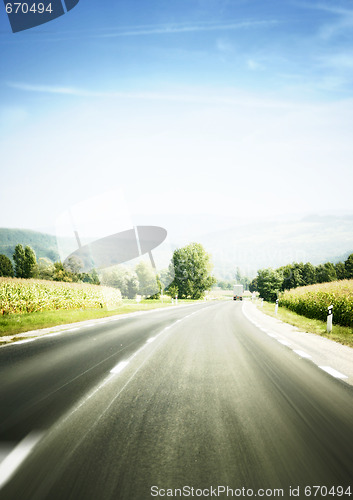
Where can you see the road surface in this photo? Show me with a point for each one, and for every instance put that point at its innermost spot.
(190, 397)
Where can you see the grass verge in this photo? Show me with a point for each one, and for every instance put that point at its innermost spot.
(341, 334)
(19, 323)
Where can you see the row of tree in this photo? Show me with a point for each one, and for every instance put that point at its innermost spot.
(188, 275)
(270, 282)
(25, 265)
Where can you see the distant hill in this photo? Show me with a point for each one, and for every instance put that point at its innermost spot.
(273, 244)
(43, 244)
(249, 246)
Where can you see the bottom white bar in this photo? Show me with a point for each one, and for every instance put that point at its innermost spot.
(333, 372)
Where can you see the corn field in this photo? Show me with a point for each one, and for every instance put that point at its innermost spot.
(20, 296)
(312, 301)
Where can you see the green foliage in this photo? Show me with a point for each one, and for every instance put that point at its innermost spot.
(61, 274)
(253, 286)
(25, 261)
(292, 275)
(6, 267)
(148, 283)
(18, 296)
(326, 273)
(30, 262)
(19, 260)
(192, 272)
(269, 283)
(45, 269)
(73, 265)
(132, 285)
(91, 277)
(122, 278)
(298, 274)
(312, 301)
(309, 274)
(348, 264)
(225, 285)
(340, 269)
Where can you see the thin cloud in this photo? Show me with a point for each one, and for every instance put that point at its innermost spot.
(329, 30)
(233, 97)
(254, 65)
(182, 28)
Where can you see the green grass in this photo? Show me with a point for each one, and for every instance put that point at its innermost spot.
(341, 334)
(18, 323)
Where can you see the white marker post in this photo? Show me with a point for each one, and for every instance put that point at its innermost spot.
(329, 319)
(262, 302)
(276, 307)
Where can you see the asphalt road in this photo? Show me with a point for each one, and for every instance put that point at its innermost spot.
(190, 397)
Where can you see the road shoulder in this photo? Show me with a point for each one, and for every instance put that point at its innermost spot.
(334, 358)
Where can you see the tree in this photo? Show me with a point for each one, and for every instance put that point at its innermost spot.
(287, 276)
(269, 283)
(309, 274)
(45, 269)
(122, 278)
(132, 285)
(253, 286)
(6, 267)
(192, 271)
(148, 283)
(73, 264)
(30, 262)
(325, 273)
(61, 274)
(348, 264)
(19, 260)
(340, 270)
(166, 276)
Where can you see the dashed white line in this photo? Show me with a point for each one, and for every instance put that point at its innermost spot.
(333, 372)
(284, 342)
(119, 367)
(272, 335)
(152, 339)
(14, 459)
(302, 354)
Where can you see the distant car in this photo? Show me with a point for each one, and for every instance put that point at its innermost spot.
(238, 291)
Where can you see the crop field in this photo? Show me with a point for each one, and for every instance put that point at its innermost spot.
(21, 296)
(312, 301)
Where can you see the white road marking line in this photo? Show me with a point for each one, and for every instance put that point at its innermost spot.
(284, 342)
(14, 459)
(333, 372)
(152, 339)
(272, 335)
(54, 334)
(302, 354)
(23, 341)
(71, 330)
(119, 367)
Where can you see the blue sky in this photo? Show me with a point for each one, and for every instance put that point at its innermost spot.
(184, 105)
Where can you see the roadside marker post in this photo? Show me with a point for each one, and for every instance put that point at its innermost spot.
(276, 307)
(262, 302)
(329, 319)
